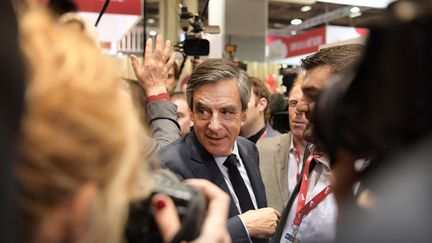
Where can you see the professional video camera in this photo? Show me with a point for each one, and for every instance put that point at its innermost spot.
(192, 25)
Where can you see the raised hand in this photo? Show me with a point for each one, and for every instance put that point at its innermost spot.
(153, 74)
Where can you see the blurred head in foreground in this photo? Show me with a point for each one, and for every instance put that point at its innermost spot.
(78, 148)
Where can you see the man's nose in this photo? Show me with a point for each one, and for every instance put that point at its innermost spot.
(215, 123)
(302, 106)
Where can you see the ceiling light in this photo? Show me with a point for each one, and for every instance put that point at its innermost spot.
(363, 3)
(151, 21)
(304, 2)
(305, 8)
(278, 25)
(296, 21)
(355, 10)
(152, 33)
(293, 32)
(355, 15)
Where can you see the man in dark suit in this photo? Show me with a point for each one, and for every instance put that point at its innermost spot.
(217, 95)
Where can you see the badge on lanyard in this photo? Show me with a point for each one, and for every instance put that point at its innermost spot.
(291, 238)
(294, 236)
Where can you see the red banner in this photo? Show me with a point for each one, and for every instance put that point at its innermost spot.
(131, 7)
(301, 44)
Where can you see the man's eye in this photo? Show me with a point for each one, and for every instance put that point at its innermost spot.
(203, 113)
(293, 103)
(228, 114)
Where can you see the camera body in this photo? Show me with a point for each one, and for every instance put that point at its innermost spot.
(194, 44)
(196, 47)
(190, 204)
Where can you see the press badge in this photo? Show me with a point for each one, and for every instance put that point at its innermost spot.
(291, 238)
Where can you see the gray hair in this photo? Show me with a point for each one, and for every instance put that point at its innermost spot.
(215, 70)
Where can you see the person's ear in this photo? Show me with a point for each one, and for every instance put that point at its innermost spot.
(262, 104)
(243, 117)
(191, 116)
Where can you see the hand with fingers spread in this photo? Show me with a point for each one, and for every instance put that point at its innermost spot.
(214, 227)
(261, 223)
(153, 74)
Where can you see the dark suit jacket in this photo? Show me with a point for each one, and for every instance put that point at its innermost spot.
(188, 158)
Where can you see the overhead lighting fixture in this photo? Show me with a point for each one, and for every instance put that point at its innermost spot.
(305, 8)
(304, 2)
(152, 33)
(355, 15)
(355, 10)
(363, 3)
(293, 32)
(151, 21)
(278, 25)
(296, 21)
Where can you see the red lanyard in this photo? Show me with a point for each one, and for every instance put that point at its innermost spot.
(297, 158)
(263, 134)
(302, 208)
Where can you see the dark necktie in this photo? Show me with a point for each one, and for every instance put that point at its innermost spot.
(238, 184)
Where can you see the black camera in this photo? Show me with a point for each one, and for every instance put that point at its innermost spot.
(196, 47)
(192, 25)
(190, 203)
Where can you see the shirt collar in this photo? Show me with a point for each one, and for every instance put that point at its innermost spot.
(254, 138)
(322, 158)
(235, 151)
(291, 147)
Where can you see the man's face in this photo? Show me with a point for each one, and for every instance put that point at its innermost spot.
(183, 114)
(217, 116)
(297, 120)
(314, 82)
(255, 111)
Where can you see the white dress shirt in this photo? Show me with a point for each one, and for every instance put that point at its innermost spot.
(243, 173)
(320, 224)
(294, 168)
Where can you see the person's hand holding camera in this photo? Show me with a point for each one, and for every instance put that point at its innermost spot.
(214, 226)
(153, 74)
(261, 223)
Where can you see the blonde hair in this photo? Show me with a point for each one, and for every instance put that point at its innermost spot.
(86, 27)
(78, 128)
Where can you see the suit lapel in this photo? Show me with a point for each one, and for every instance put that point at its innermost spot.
(203, 165)
(281, 165)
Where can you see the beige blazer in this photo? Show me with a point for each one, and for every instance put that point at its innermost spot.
(274, 155)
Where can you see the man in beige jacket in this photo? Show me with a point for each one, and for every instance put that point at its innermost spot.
(281, 156)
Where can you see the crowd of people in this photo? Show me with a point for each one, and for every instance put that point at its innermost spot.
(82, 144)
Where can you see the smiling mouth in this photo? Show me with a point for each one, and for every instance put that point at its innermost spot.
(215, 139)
